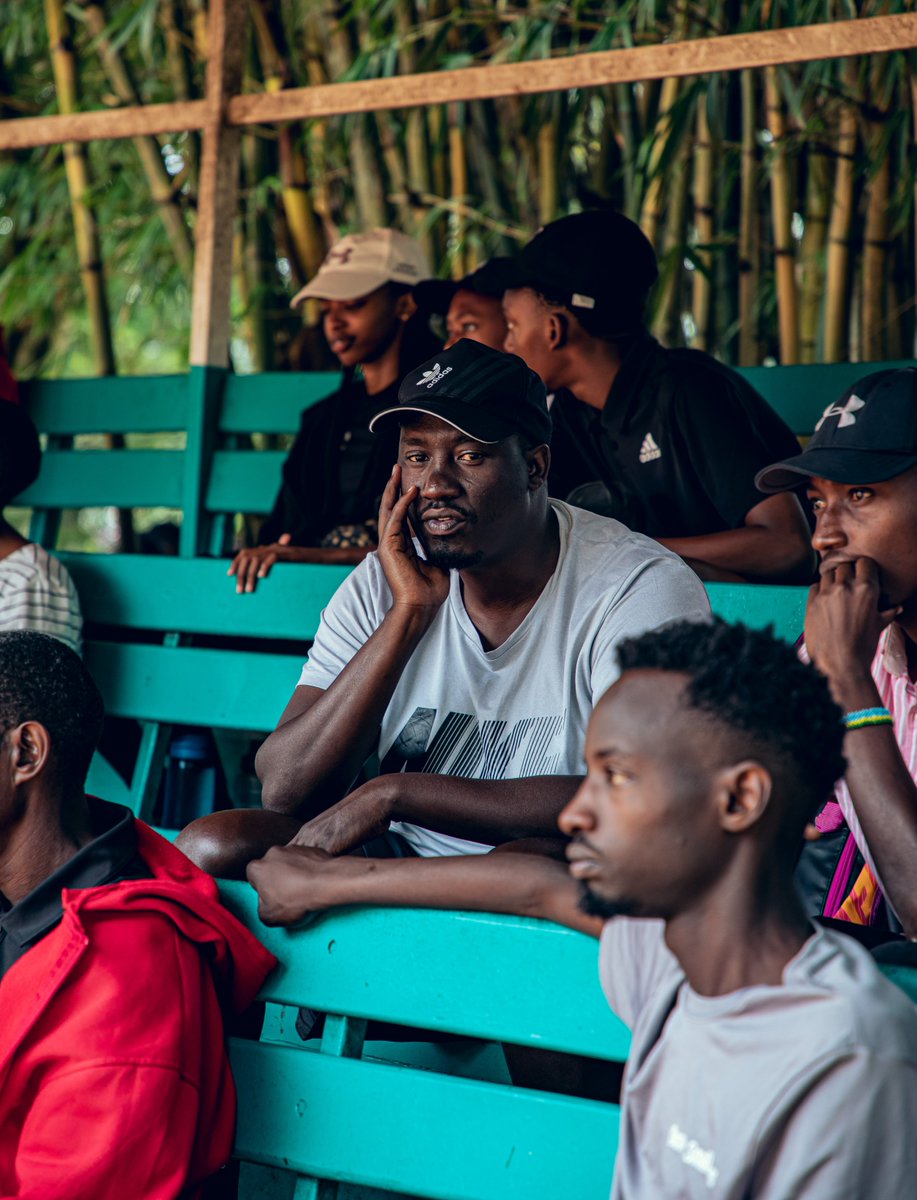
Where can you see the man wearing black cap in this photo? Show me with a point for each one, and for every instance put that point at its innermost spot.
(472, 307)
(668, 441)
(467, 657)
(860, 473)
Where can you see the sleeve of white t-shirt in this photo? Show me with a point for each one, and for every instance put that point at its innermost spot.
(634, 962)
(352, 615)
(658, 592)
(846, 1136)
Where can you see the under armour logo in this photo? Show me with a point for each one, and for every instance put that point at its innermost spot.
(434, 375)
(341, 256)
(844, 411)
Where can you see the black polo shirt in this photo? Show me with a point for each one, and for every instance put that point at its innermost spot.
(111, 857)
(679, 442)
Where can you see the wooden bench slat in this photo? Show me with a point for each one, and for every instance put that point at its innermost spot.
(176, 685)
(115, 404)
(355, 962)
(761, 604)
(272, 402)
(244, 480)
(196, 595)
(98, 478)
(418, 1132)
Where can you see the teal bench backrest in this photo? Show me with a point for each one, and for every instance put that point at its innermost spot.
(218, 474)
(329, 1115)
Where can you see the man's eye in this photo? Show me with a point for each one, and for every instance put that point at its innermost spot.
(817, 505)
(615, 777)
(469, 327)
(414, 457)
(470, 456)
(860, 494)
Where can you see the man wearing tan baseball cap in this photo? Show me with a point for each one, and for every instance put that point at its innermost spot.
(361, 262)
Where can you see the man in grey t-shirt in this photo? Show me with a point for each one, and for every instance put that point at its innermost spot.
(769, 1059)
(468, 656)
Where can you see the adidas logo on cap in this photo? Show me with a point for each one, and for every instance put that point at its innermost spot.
(649, 451)
(434, 375)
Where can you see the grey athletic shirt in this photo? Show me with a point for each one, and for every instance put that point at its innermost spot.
(521, 709)
(807, 1091)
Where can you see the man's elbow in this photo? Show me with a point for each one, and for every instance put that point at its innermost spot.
(277, 794)
(787, 558)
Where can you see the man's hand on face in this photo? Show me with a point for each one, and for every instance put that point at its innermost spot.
(362, 815)
(288, 882)
(414, 583)
(844, 621)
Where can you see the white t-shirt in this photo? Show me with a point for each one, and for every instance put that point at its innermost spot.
(36, 592)
(801, 1090)
(521, 709)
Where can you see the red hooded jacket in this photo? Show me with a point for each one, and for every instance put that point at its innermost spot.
(114, 1078)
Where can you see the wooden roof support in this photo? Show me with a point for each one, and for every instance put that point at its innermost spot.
(227, 27)
(734, 52)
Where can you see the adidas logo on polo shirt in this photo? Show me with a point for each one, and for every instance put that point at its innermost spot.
(649, 451)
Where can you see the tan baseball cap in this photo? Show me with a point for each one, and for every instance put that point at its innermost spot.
(361, 262)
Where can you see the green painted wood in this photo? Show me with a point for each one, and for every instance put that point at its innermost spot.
(761, 604)
(355, 962)
(244, 480)
(115, 404)
(272, 402)
(206, 389)
(97, 478)
(417, 1132)
(800, 394)
(105, 782)
(148, 769)
(196, 595)
(222, 688)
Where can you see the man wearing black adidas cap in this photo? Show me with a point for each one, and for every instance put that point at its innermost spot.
(860, 474)
(469, 657)
(669, 441)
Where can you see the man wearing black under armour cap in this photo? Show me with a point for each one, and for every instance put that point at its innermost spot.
(467, 657)
(472, 307)
(668, 441)
(860, 474)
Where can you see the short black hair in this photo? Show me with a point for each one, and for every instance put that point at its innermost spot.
(20, 452)
(43, 680)
(598, 322)
(755, 685)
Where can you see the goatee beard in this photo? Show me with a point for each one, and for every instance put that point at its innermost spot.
(597, 906)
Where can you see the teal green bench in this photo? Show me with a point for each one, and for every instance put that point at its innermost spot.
(331, 1115)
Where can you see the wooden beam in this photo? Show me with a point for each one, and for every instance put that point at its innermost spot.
(770, 47)
(107, 124)
(734, 52)
(227, 26)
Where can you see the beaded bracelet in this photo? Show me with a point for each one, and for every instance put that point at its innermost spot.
(867, 716)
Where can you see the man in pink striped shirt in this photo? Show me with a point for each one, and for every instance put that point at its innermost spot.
(860, 474)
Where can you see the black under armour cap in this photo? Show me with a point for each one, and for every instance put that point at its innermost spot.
(483, 393)
(591, 261)
(490, 279)
(870, 435)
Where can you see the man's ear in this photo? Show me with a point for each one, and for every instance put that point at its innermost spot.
(539, 463)
(405, 307)
(558, 329)
(30, 748)
(743, 794)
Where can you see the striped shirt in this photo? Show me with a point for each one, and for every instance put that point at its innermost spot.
(899, 695)
(36, 592)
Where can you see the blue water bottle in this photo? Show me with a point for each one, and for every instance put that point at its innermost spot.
(190, 785)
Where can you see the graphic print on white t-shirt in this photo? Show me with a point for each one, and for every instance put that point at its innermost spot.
(473, 749)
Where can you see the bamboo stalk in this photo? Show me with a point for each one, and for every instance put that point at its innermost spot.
(749, 221)
(76, 165)
(840, 225)
(702, 290)
(458, 174)
(651, 210)
(814, 239)
(148, 149)
(667, 322)
(180, 75)
(876, 245)
(782, 217)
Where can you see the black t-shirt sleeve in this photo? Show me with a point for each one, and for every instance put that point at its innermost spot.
(728, 433)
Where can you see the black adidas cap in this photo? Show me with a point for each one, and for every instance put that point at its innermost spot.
(870, 435)
(490, 279)
(596, 261)
(483, 393)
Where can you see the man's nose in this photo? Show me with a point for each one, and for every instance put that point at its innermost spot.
(829, 530)
(575, 816)
(439, 479)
